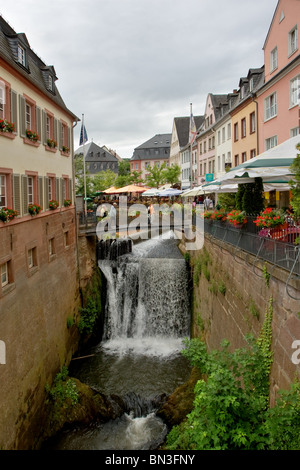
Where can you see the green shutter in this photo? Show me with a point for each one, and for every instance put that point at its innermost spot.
(41, 199)
(25, 194)
(46, 192)
(14, 108)
(22, 116)
(17, 193)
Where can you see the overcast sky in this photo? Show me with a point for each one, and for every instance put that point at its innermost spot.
(131, 66)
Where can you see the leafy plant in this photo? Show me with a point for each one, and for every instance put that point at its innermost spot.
(34, 209)
(63, 388)
(236, 217)
(88, 317)
(53, 204)
(31, 135)
(6, 126)
(7, 214)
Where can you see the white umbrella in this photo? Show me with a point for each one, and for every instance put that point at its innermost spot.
(151, 192)
(193, 192)
(169, 192)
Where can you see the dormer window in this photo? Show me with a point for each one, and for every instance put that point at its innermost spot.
(50, 83)
(21, 55)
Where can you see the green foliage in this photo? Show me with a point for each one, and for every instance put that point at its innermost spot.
(295, 185)
(79, 177)
(253, 309)
(171, 174)
(201, 266)
(266, 275)
(88, 317)
(156, 176)
(64, 389)
(103, 180)
(70, 322)
(222, 288)
(227, 201)
(231, 407)
(249, 197)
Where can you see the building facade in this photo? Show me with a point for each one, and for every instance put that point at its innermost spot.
(98, 158)
(38, 288)
(153, 152)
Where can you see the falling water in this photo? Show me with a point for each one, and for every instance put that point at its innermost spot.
(147, 315)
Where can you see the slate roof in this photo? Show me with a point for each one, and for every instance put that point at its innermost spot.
(183, 128)
(35, 71)
(158, 147)
(95, 153)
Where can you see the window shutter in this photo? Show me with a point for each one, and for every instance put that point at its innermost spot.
(14, 108)
(25, 194)
(46, 192)
(22, 116)
(62, 195)
(41, 199)
(57, 195)
(60, 129)
(55, 136)
(38, 123)
(69, 139)
(70, 189)
(17, 193)
(44, 137)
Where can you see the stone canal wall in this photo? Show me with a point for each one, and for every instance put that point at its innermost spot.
(37, 309)
(230, 299)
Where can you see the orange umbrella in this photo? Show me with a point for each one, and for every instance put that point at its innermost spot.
(131, 188)
(110, 190)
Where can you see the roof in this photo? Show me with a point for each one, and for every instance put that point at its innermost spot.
(159, 140)
(158, 148)
(95, 153)
(183, 128)
(35, 70)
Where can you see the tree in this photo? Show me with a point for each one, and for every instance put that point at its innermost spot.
(156, 175)
(172, 173)
(295, 184)
(124, 167)
(103, 180)
(135, 177)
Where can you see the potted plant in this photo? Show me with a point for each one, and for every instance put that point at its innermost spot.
(65, 149)
(237, 218)
(34, 209)
(51, 143)
(53, 204)
(219, 214)
(31, 135)
(7, 214)
(67, 202)
(6, 126)
(270, 218)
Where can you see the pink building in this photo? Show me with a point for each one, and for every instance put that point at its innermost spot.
(279, 98)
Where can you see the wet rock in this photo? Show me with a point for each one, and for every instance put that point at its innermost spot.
(180, 402)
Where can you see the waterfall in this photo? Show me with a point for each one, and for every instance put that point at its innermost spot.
(147, 307)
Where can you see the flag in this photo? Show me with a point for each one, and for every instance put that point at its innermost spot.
(83, 135)
(193, 130)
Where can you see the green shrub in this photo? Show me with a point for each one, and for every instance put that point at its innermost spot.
(88, 317)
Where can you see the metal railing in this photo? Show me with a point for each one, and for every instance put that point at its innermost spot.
(276, 251)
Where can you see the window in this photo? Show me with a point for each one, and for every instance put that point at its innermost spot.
(243, 123)
(236, 160)
(4, 274)
(21, 55)
(252, 123)
(273, 61)
(32, 263)
(28, 116)
(3, 196)
(51, 249)
(244, 157)
(2, 100)
(271, 106)
(271, 142)
(223, 134)
(251, 84)
(252, 153)
(294, 132)
(229, 131)
(30, 190)
(293, 40)
(236, 131)
(295, 91)
(66, 239)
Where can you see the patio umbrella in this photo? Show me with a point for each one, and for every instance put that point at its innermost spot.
(131, 188)
(151, 192)
(110, 190)
(193, 192)
(274, 163)
(169, 192)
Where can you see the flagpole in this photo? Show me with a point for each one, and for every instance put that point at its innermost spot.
(191, 164)
(84, 174)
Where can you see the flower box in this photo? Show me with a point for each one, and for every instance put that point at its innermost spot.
(34, 209)
(53, 204)
(6, 214)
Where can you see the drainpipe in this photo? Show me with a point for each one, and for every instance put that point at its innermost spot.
(257, 141)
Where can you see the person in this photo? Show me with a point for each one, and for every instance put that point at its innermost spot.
(113, 211)
(207, 202)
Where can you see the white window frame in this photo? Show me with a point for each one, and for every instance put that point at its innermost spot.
(2, 100)
(30, 189)
(271, 106)
(4, 274)
(274, 59)
(271, 142)
(3, 190)
(50, 189)
(28, 116)
(295, 91)
(21, 55)
(293, 40)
